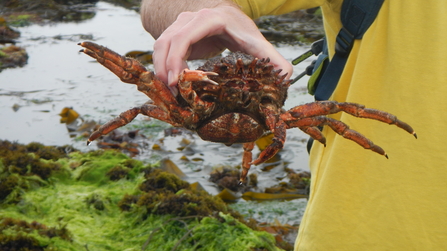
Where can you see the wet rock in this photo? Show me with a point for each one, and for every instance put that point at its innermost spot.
(24, 12)
(12, 57)
(128, 4)
(226, 177)
(7, 34)
(298, 27)
(300, 180)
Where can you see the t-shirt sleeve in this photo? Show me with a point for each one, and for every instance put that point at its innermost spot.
(257, 8)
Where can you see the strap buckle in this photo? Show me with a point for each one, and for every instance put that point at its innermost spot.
(344, 42)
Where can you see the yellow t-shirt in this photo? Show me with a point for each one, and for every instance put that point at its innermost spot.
(359, 199)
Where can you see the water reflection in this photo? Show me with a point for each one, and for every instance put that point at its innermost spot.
(56, 76)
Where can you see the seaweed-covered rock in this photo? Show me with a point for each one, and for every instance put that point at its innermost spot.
(23, 12)
(26, 166)
(164, 193)
(16, 234)
(157, 179)
(79, 206)
(12, 56)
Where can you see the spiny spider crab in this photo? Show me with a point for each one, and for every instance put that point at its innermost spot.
(234, 99)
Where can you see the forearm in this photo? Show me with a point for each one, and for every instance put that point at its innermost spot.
(157, 15)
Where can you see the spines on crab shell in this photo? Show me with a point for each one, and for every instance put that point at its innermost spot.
(252, 65)
(245, 80)
(244, 66)
(240, 67)
(268, 69)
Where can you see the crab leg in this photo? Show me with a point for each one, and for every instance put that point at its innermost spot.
(278, 128)
(246, 159)
(126, 117)
(127, 69)
(131, 71)
(338, 127)
(278, 142)
(357, 110)
(312, 131)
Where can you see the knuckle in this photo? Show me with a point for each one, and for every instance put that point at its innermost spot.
(211, 15)
(184, 15)
(158, 45)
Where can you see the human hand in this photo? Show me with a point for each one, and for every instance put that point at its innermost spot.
(207, 33)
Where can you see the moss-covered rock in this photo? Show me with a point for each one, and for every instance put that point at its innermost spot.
(26, 166)
(104, 200)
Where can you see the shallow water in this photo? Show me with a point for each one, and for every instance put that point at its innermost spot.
(57, 76)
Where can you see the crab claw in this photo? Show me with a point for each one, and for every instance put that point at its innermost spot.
(196, 75)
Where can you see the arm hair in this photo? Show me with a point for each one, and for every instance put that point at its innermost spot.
(157, 15)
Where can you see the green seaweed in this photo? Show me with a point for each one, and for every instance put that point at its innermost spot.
(23, 167)
(22, 235)
(20, 20)
(164, 193)
(221, 233)
(104, 200)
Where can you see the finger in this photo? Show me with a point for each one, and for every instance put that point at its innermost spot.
(251, 41)
(158, 59)
(192, 32)
(163, 45)
(207, 48)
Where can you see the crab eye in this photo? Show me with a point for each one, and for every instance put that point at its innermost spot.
(208, 98)
(223, 68)
(265, 100)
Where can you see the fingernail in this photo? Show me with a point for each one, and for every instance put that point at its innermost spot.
(172, 86)
(170, 78)
(174, 90)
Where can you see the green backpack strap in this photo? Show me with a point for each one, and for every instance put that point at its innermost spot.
(318, 68)
(356, 17)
